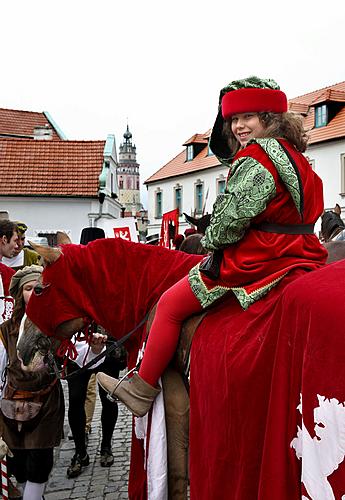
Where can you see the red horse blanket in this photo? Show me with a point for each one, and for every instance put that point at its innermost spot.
(268, 395)
(267, 384)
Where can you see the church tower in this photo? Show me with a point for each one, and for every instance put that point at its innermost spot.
(128, 175)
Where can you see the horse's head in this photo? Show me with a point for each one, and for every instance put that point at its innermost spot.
(110, 281)
(331, 223)
(49, 311)
(51, 307)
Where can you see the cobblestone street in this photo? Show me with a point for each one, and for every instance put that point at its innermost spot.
(95, 482)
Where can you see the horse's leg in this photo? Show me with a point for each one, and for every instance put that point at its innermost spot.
(176, 402)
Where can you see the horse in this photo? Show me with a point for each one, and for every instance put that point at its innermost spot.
(332, 225)
(250, 370)
(201, 223)
(333, 234)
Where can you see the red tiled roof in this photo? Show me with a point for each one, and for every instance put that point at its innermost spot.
(50, 168)
(303, 104)
(298, 107)
(335, 129)
(197, 139)
(311, 96)
(22, 123)
(179, 165)
(330, 95)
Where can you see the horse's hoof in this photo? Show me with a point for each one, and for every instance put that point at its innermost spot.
(107, 458)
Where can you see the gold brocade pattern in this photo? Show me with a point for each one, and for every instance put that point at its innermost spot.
(208, 297)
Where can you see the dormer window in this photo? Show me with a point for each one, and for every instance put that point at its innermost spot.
(321, 115)
(190, 152)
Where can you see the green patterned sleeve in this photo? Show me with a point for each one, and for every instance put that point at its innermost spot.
(249, 190)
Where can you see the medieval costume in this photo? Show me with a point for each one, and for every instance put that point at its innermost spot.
(26, 257)
(261, 228)
(32, 404)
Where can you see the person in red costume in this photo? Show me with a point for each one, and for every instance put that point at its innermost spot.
(261, 229)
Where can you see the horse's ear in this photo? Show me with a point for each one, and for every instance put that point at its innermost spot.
(62, 238)
(337, 209)
(49, 254)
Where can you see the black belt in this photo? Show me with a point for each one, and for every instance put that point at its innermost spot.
(267, 227)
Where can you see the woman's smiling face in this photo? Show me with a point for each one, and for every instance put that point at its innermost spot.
(246, 126)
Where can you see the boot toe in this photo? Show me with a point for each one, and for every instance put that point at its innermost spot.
(106, 382)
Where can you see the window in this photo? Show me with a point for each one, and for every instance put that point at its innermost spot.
(121, 184)
(342, 174)
(159, 197)
(178, 198)
(221, 184)
(190, 152)
(199, 196)
(321, 115)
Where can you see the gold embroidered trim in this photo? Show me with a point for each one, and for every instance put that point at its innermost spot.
(207, 297)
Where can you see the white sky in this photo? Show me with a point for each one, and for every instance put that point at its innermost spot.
(93, 64)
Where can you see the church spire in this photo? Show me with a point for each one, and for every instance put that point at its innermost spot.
(128, 174)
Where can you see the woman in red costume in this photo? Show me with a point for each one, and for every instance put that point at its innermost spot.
(262, 226)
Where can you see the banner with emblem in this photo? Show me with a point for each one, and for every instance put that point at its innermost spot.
(6, 304)
(169, 228)
(124, 228)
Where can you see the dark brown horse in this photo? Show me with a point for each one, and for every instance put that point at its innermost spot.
(332, 225)
(332, 231)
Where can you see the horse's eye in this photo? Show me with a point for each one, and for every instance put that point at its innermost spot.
(43, 345)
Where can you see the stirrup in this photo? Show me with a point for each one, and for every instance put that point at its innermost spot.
(111, 395)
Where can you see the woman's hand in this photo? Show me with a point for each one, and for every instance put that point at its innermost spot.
(98, 342)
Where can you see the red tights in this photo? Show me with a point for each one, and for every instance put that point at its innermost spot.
(174, 306)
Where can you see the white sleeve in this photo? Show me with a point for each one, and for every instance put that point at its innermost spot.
(85, 354)
(3, 364)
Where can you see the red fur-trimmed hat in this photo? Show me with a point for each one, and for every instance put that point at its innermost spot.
(251, 94)
(253, 99)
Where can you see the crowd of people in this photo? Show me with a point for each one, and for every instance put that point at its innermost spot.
(32, 405)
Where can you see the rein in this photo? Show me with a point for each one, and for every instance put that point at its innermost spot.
(60, 374)
(336, 232)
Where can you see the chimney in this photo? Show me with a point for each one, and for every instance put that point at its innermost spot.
(43, 133)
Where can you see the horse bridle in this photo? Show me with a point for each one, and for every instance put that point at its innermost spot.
(335, 233)
(85, 335)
